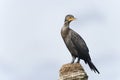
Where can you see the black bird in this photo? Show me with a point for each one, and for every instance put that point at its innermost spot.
(75, 44)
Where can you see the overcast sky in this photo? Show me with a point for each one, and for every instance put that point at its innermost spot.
(31, 47)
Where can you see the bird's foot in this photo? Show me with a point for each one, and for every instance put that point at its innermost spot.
(71, 62)
(77, 62)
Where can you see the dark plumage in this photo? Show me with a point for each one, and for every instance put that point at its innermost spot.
(75, 44)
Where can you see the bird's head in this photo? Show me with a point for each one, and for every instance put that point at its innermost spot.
(69, 18)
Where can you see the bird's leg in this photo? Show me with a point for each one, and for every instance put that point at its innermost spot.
(78, 60)
(73, 59)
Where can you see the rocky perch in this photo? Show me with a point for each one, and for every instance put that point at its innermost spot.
(72, 72)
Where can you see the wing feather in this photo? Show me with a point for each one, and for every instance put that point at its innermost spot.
(80, 44)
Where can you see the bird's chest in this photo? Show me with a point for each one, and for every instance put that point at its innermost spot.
(64, 32)
(71, 47)
(66, 35)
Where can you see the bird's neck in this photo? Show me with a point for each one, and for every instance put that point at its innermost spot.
(66, 24)
(65, 30)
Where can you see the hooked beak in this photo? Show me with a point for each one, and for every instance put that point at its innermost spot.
(71, 19)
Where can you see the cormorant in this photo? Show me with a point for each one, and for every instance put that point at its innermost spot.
(75, 44)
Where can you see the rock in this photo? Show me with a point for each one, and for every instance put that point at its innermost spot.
(72, 72)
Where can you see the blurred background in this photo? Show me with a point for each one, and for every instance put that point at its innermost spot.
(31, 47)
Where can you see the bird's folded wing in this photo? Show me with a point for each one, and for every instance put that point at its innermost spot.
(79, 42)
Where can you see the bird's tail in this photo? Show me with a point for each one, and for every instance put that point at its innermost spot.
(92, 67)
